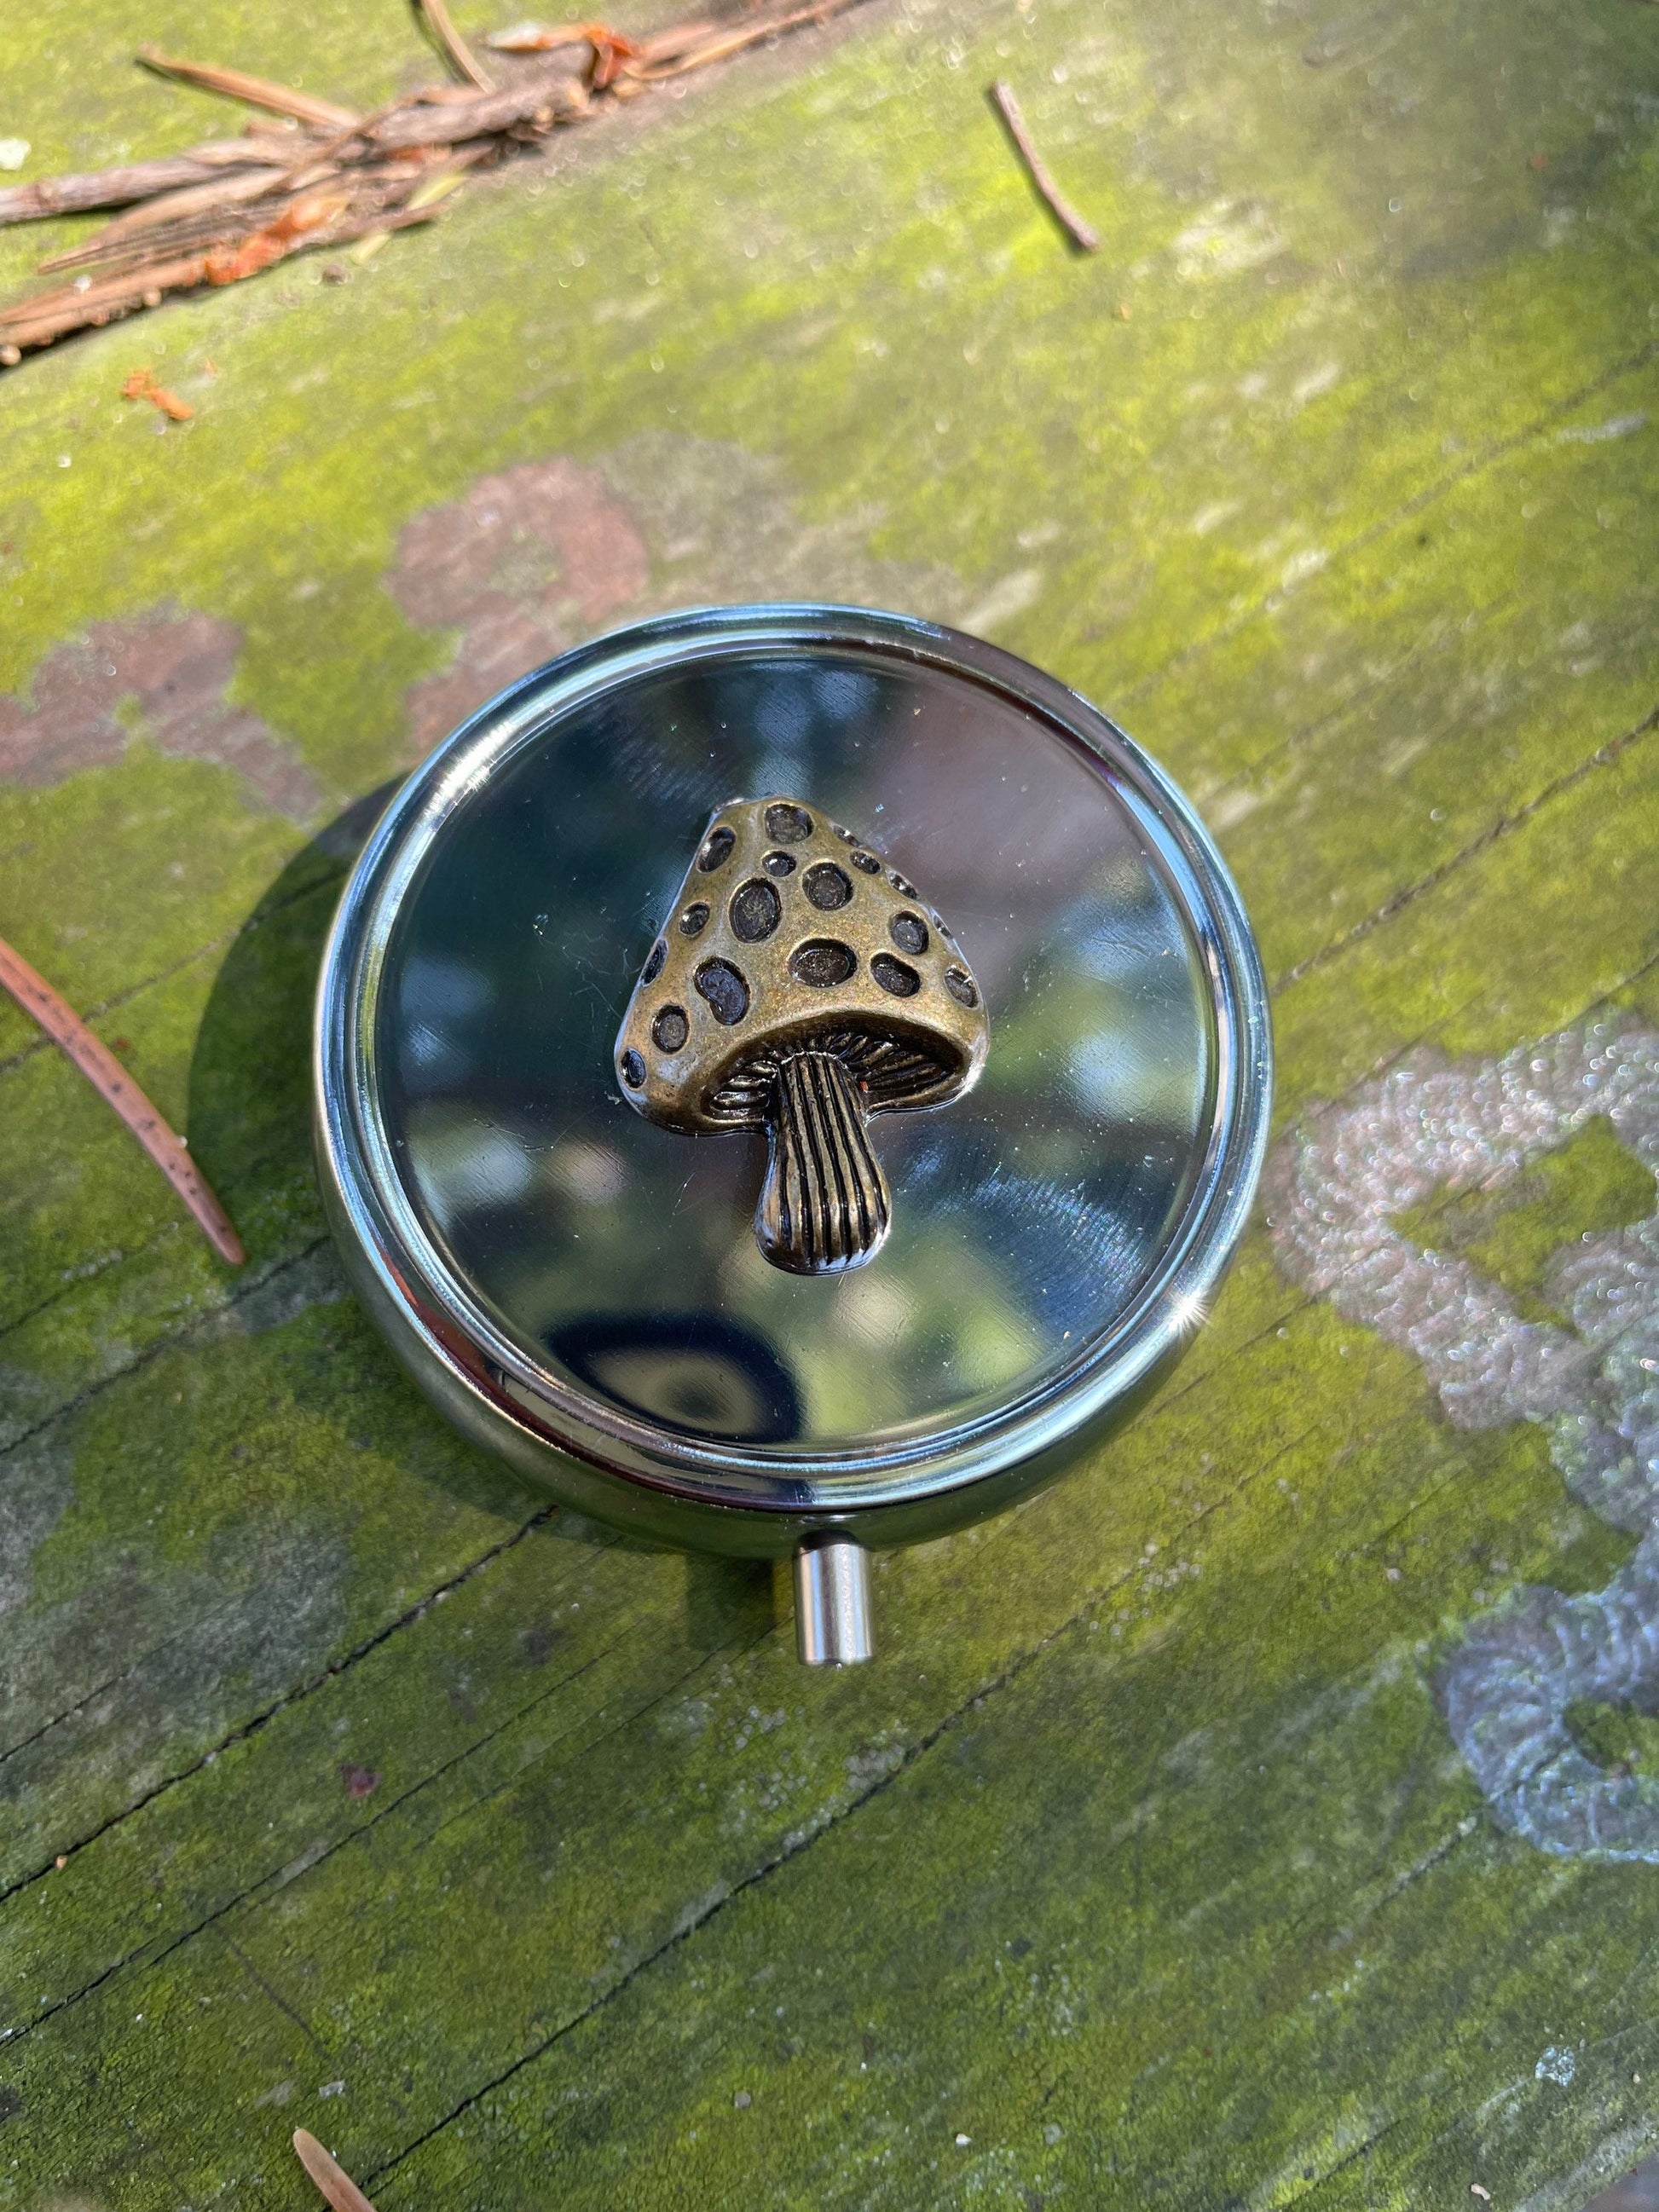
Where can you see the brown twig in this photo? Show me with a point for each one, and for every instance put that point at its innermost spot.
(113, 1084)
(1082, 234)
(255, 91)
(53, 314)
(466, 61)
(222, 212)
(332, 2180)
(679, 38)
(721, 41)
(561, 99)
(383, 184)
(306, 212)
(168, 208)
(137, 257)
(137, 180)
(534, 38)
(281, 240)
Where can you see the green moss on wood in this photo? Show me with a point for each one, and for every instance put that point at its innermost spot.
(1593, 1184)
(1142, 1859)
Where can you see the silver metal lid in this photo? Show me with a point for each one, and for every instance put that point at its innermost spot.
(582, 1288)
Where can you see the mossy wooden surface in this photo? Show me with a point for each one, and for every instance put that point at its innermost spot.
(344, 1782)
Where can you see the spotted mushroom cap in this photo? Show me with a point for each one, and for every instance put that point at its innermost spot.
(790, 932)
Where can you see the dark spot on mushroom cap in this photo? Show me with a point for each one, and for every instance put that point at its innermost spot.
(788, 824)
(902, 884)
(724, 987)
(909, 932)
(893, 976)
(717, 849)
(653, 960)
(779, 863)
(633, 1069)
(961, 986)
(827, 886)
(822, 962)
(671, 1029)
(755, 912)
(867, 862)
(693, 919)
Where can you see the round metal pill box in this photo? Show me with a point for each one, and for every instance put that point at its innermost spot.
(787, 1077)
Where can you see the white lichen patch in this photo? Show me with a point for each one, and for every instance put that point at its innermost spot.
(1230, 235)
(1335, 1193)
(1317, 382)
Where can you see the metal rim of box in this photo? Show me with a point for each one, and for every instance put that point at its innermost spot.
(538, 1420)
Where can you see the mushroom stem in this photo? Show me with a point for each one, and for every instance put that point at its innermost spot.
(824, 1206)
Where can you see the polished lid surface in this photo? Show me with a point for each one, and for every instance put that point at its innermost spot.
(1045, 1223)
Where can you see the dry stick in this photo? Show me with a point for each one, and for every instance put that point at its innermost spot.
(533, 40)
(138, 180)
(720, 42)
(334, 2183)
(435, 121)
(420, 121)
(381, 185)
(336, 232)
(454, 44)
(256, 91)
(136, 256)
(37, 321)
(343, 233)
(169, 208)
(313, 164)
(112, 1082)
(54, 314)
(1082, 234)
(483, 117)
(678, 39)
(99, 292)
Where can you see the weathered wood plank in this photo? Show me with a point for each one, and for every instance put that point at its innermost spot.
(1147, 1869)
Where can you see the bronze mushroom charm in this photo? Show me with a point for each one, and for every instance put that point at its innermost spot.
(800, 986)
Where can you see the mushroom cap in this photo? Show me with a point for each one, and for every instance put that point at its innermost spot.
(791, 934)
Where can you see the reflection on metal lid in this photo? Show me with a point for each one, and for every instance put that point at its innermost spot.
(1053, 1232)
(689, 1370)
(1025, 1215)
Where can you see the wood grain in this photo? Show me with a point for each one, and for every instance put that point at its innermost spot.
(1145, 1864)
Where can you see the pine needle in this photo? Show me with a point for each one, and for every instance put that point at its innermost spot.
(336, 2184)
(116, 1088)
(454, 44)
(225, 211)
